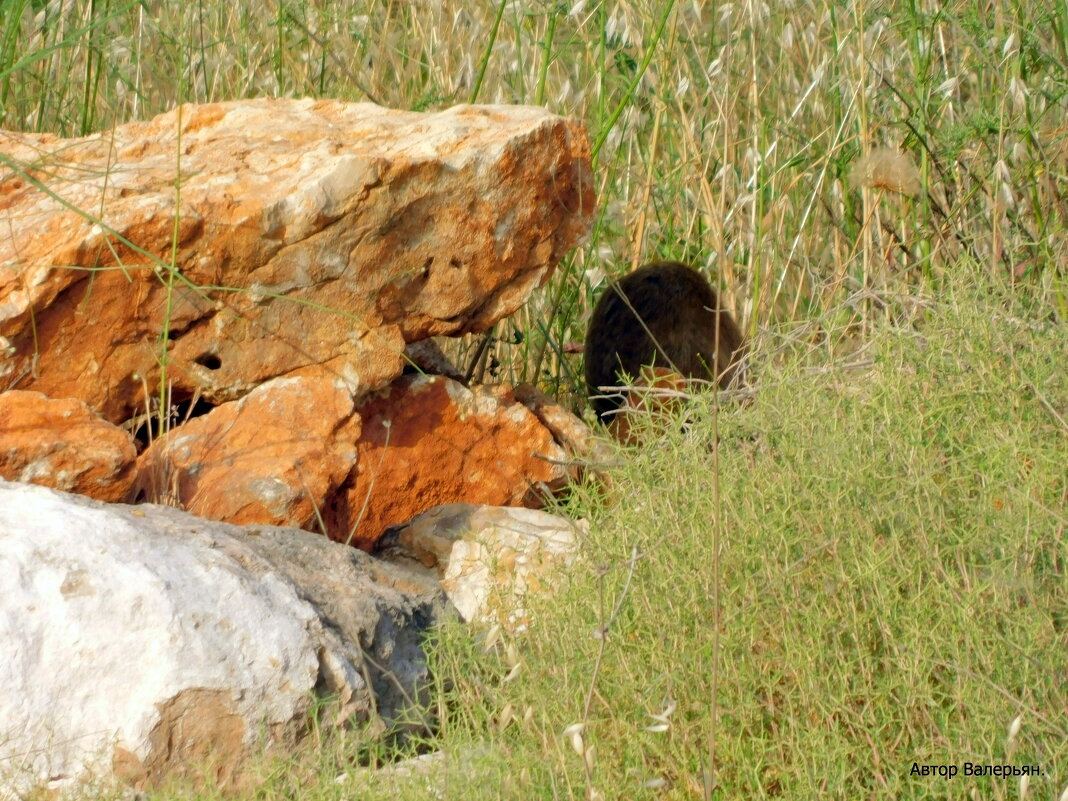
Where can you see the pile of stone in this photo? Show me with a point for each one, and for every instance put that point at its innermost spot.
(230, 309)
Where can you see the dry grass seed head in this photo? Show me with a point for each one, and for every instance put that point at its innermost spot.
(884, 168)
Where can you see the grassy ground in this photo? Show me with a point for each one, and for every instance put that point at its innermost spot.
(869, 570)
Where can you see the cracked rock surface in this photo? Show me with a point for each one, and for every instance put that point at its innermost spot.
(304, 233)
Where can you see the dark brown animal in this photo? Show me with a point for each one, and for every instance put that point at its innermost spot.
(666, 315)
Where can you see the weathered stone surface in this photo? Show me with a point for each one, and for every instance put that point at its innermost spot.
(489, 558)
(429, 440)
(60, 443)
(276, 456)
(347, 230)
(142, 639)
(587, 451)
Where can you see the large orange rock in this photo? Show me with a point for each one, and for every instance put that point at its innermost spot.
(275, 457)
(428, 441)
(60, 443)
(302, 232)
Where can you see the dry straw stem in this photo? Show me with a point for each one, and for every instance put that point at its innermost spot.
(887, 169)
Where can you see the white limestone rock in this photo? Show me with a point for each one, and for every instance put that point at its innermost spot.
(489, 558)
(143, 641)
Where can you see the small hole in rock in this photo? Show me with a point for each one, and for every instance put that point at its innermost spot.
(209, 360)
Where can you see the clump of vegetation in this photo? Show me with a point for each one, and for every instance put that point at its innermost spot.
(862, 571)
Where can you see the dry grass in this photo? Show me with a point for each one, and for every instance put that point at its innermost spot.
(889, 556)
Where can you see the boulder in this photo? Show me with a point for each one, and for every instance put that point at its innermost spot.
(489, 558)
(61, 443)
(297, 233)
(429, 440)
(588, 453)
(147, 644)
(296, 451)
(276, 456)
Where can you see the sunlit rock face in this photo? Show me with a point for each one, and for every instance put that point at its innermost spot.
(254, 238)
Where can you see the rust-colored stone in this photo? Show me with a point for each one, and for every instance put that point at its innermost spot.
(429, 440)
(273, 457)
(60, 443)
